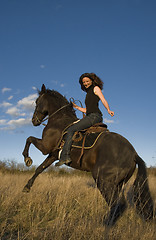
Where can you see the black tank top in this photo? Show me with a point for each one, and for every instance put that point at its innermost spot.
(92, 101)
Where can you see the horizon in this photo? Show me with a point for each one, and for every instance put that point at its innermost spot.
(54, 42)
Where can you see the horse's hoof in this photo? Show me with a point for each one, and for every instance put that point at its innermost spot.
(28, 161)
(26, 189)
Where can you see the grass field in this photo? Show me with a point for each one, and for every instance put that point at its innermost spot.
(61, 207)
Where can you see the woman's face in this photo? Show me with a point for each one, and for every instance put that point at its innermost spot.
(87, 82)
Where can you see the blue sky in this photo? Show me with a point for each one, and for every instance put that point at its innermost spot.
(54, 42)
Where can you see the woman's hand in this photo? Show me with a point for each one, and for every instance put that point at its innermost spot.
(79, 108)
(111, 113)
(74, 105)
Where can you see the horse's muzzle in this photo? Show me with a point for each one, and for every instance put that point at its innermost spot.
(36, 121)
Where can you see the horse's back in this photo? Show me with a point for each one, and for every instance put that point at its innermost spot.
(115, 141)
(114, 151)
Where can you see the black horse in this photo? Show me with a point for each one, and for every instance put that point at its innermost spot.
(111, 161)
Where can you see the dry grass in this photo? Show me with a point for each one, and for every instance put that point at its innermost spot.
(62, 208)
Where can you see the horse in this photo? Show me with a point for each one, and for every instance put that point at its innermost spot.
(111, 161)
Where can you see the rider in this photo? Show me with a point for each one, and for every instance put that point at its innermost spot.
(92, 85)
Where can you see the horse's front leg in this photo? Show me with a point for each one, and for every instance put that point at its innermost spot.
(38, 143)
(47, 162)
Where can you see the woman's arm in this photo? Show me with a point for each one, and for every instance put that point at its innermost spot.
(79, 108)
(99, 93)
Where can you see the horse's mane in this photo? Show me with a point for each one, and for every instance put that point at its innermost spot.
(60, 101)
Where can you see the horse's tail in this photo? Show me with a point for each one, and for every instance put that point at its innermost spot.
(142, 196)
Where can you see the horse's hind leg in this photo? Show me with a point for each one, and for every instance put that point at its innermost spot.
(48, 161)
(110, 189)
(117, 204)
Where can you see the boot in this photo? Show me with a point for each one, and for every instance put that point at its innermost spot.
(66, 159)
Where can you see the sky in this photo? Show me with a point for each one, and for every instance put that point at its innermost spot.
(54, 42)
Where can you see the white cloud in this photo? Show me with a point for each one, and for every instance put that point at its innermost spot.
(8, 128)
(15, 112)
(42, 66)
(13, 124)
(6, 89)
(20, 112)
(62, 85)
(11, 97)
(28, 103)
(108, 121)
(2, 121)
(34, 88)
(54, 82)
(5, 104)
(20, 122)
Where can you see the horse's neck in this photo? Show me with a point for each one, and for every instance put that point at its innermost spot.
(61, 122)
(60, 118)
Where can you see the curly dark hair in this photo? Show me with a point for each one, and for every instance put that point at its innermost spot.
(95, 79)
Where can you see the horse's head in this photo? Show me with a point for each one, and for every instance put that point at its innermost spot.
(41, 110)
(52, 103)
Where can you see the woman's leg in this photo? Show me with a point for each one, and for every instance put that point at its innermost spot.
(84, 123)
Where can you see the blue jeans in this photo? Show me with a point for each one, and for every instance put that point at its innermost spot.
(84, 123)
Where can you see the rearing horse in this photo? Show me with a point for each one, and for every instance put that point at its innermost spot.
(111, 161)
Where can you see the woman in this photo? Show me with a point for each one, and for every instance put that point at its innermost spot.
(92, 85)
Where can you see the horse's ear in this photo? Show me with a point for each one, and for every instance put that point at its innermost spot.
(43, 89)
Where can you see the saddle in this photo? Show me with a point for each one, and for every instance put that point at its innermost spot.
(86, 138)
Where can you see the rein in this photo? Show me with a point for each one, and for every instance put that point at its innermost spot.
(51, 115)
(74, 101)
